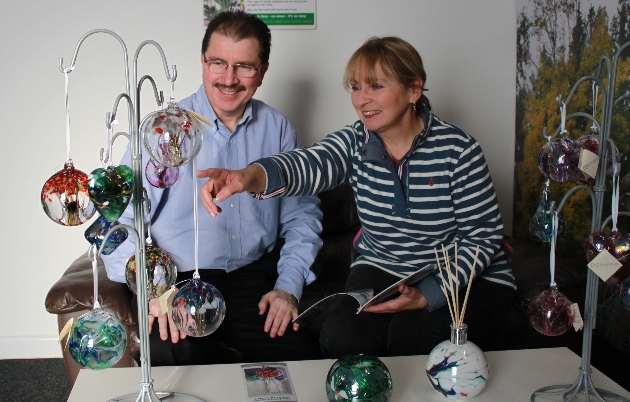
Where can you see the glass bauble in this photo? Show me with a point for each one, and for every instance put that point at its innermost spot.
(198, 308)
(558, 159)
(160, 176)
(359, 378)
(456, 368)
(618, 245)
(590, 142)
(95, 234)
(97, 340)
(550, 312)
(171, 136)
(65, 197)
(624, 293)
(110, 190)
(541, 223)
(161, 272)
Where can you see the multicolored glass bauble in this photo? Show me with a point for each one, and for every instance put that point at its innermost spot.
(550, 312)
(65, 197)
(618, 245)
(198, 308)
(95, 234)
(160, 176)
(161, 272)
(171, 136)
(624, 293)
(456, 368)
(590, 142)
(110, 189)
(97, 340)
(360, 378)
(558, 159)
(541, 223)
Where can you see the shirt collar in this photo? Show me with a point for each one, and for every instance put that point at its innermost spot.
(202, 104)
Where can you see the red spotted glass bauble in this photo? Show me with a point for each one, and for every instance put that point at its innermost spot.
(550, 312)
(590, 142)
(65, 197)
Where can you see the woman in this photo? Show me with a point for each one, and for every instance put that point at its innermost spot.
(420, 183)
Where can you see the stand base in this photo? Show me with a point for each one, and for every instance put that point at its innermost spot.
(149, 395)
(584, 385)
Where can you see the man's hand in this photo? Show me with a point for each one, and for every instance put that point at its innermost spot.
(283, 308)
(410, 299)
(165, 322)
(222, 183)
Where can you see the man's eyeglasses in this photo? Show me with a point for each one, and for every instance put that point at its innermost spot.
(217, 66)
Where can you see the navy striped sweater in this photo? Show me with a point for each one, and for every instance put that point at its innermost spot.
(439, 194)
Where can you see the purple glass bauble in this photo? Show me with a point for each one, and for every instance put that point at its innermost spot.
(550, 312)
(198, 308)
(171, 136)
(160, 176)
(590, 142)
(97, 231)
(618, 245)
(65, 197)
(558, 159)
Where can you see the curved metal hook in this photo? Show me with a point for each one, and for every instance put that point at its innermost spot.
(624, 213)
(83, 38)
(159, 95)
(105, 158)
(169, 77)
(573, 190)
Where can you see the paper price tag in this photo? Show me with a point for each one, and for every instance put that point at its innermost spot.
(164, 299)
(64, 331)
(201, 118)
(578, 323)
(604, 265)
(588, 163)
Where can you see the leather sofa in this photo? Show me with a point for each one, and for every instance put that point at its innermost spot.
(72, 295)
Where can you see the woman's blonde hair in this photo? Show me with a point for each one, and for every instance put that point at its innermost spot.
(397, 58)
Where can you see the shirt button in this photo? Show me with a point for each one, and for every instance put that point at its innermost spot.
(231, 141)
(384, 156)
(229, 262)
(233, 236)
(232, 205)
(364, 152)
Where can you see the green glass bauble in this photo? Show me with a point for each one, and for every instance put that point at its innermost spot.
(359, 378)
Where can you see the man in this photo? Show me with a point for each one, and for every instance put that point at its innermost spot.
(235, 249)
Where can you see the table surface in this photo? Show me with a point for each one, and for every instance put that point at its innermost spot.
(514, 376)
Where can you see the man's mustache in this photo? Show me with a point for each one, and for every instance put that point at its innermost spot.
(229, 88)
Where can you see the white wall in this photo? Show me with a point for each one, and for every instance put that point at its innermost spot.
(468, 49)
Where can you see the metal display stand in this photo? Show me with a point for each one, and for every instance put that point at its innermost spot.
(584, 383)
(147, 393)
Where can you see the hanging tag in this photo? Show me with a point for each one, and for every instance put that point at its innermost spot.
(201, 118)
(588, 163)
(64, 331)
(604, 265)
(578, 323)
(164, 299)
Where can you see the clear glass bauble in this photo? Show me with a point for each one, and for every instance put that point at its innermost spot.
(65, 197)
(160, 176)
(624, 293)
(198, 308)
(95, 235)
(110, 189)
(360, 378)
(618, 245)
(550, 312)
(97, 340)
(590, 142)
(541, 223)
(161, 272)
(558, 159)
(456, 368)
(171, 136)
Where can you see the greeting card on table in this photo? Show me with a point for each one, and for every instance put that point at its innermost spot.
(266, 382)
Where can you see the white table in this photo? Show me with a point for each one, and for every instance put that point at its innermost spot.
(514, 376)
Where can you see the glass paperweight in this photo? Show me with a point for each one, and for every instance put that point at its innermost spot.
(198, 308)
(456, 368)
(95, 234)
(160, 176)
(541, 223)
(550, 312)
(558, 159)
(65, 197)
(618, 245)
(97, 340)
(360, 378)
(624, 293)
(590, 142)
(171, 136)
(161, 272)
(110, 190)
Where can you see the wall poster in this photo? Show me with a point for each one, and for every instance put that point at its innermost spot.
(278, 14)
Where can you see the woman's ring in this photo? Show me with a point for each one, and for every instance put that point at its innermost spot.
(151, 315)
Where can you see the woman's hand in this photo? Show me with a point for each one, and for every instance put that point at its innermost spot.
(410, 299)
(222, 183)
